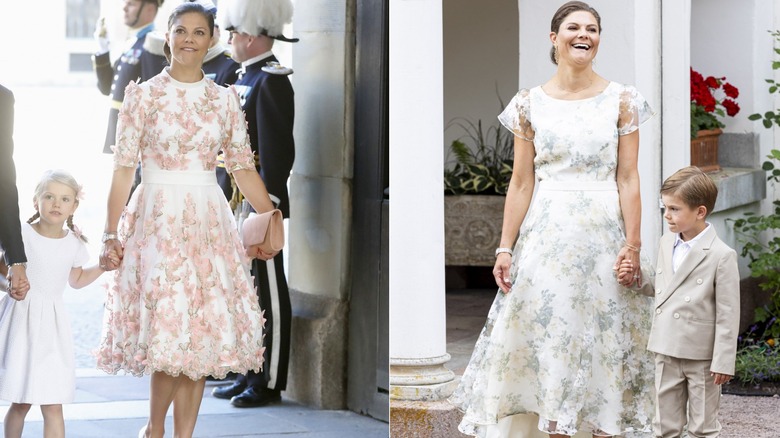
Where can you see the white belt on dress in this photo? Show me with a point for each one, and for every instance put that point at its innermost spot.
(179, 177)
(578, 186)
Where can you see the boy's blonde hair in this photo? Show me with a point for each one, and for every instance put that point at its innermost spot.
(693, 187)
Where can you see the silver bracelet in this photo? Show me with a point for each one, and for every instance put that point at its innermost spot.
(109, 236)
(503, 250)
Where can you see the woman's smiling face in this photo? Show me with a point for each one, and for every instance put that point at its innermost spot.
(189, 38)
(577, 38)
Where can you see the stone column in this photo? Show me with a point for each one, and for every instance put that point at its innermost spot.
(321, 201)
(419, 382)
(676, 54)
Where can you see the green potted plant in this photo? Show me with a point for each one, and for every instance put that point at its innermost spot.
(711, 97)
(476, 178)
(480, 162)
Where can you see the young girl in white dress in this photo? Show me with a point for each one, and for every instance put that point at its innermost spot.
(37, 364)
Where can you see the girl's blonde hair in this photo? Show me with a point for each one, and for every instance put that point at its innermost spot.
(62, 177)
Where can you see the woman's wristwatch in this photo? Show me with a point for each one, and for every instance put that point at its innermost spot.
(109, 236)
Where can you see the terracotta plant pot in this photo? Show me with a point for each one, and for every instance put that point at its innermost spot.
(704, 150)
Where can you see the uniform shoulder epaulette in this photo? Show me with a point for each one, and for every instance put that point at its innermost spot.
(275, 68)
(154, 43)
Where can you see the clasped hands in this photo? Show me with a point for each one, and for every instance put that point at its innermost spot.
(17, 284)
(111, 255)
(627, 268)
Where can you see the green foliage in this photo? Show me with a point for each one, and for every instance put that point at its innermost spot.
(760, 234)
(770, 118)
(758, 363)
(701, 119)
(760, 237)
(480, 161)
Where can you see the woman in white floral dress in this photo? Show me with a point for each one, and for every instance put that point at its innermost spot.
(563, 349)
(181, 305)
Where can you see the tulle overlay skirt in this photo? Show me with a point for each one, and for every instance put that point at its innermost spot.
(567, 344)
(183, 300)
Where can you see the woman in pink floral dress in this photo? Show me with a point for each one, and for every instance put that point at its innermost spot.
(181, 304)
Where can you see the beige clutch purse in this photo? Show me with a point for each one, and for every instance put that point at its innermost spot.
(265, 230)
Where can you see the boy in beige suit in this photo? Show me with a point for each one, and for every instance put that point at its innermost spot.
(696, 321)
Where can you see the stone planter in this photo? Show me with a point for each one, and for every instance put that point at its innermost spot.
(472, 227)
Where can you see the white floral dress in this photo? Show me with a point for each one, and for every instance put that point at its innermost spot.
(183, 300)
(37, 363)
(567, 344)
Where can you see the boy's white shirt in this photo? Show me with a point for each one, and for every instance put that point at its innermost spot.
(682, 248)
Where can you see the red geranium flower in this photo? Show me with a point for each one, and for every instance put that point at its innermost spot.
(731, 91)
(706, 107)
(732, 108)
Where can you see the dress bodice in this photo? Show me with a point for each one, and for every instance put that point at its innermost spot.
(576, 140)
(173, 125)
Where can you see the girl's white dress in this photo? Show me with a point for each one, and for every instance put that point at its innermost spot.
(37, 363)
(565, 350)
(183, 300)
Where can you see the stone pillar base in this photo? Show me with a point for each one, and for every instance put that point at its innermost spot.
(317, 372)
(424, 419)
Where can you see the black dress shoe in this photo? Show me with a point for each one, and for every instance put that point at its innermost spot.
(254, 398)
(229, 391)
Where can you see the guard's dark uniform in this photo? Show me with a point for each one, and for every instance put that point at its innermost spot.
(268, 102)
(135, 64)
(220, 67)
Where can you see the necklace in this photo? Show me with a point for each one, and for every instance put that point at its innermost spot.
(590, 82)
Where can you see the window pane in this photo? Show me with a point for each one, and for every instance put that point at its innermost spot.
(81, 17)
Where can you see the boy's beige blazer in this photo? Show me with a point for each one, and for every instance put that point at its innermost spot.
(696, 313)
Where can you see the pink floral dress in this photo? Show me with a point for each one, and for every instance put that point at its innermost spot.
(183, 300)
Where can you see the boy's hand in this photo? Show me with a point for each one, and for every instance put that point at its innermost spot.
(721, 378)
(625, 273)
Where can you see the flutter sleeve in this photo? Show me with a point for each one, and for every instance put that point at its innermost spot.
(516, 117)
(634, 110)
(238, 154)
(130, 128)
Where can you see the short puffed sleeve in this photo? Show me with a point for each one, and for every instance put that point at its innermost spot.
(634, 110)
(238, 154)
(129, 128)
(82, 255)
(516, 117)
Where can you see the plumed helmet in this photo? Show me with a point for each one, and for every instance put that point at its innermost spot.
(257, 17)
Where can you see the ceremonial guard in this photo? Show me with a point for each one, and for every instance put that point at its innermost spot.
(135, 64)
(268, 102)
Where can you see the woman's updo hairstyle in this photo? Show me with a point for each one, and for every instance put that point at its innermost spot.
(186, 8)
(563, 12)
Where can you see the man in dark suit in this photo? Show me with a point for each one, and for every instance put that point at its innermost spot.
(268, 102)
(135, 64)
(10, 227)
